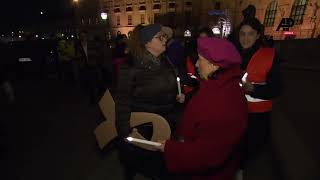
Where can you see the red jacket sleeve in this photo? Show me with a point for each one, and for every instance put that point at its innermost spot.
(212, 147)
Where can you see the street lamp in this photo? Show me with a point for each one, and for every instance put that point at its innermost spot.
(104, 16)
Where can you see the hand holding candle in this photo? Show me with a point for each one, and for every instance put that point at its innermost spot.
(179, 86)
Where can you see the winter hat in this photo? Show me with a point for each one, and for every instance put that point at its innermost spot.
(218, 51)
(148, 32)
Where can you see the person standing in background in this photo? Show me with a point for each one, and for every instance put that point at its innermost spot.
(88, 56)
(261, 82)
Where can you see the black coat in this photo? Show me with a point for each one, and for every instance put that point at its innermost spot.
(148, 85)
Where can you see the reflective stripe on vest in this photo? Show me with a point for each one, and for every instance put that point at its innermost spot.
(258, 69)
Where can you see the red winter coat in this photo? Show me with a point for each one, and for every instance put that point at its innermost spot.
(211, 126)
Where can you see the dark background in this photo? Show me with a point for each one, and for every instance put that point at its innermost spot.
(23, 13)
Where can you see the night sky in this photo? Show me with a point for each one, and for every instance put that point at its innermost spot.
(17, 13)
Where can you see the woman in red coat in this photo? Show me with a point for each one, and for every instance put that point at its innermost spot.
(214, 121)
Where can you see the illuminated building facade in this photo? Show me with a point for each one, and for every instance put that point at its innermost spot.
(183, 15)
(305, 14)
(220, 15)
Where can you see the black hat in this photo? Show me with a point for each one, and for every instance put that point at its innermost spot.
(249, 12)
(249, 19)
(148, 32)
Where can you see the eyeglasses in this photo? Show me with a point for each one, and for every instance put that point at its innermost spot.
(161, 37)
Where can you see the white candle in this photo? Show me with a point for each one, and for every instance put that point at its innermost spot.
(131, 139)
(244, 78)
(179, 86)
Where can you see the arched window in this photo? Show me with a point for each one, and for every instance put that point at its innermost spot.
(270, 15)
(129, 9)
(142, 8)
(117, 10)
(298, 9)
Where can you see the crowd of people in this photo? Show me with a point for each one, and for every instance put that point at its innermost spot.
(216, 95)
(220, 123)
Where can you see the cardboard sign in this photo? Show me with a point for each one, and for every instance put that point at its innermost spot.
(106, 131)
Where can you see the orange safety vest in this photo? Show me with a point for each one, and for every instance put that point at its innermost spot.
(191, 72)
(258, 69)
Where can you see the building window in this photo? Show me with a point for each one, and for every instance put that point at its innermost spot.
(172, 5)
(270, 14)
(142, 19)
(142, 8)
(129, 19)
(118, 20)
(157, 7)
(129, 9)
(117, 10)
(298, 9)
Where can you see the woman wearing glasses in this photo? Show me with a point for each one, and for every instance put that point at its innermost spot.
(148, 85)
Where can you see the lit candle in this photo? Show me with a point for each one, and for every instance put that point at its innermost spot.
(179, 86)
(244, 78)
(131, 139)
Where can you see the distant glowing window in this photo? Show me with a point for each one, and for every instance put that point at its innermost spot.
(298, 9)
(187, 33)
(142, 19)
(270, 14)
(118, 20)
(129, 19)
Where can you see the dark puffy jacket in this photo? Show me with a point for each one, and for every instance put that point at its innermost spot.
(149, 85)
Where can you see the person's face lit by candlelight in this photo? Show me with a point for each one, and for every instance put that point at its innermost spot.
(248, 36)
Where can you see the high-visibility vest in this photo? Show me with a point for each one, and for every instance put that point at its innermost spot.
(257, 70)
(191, 72)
